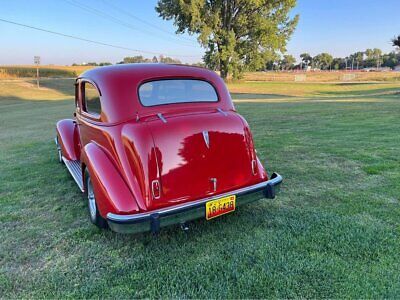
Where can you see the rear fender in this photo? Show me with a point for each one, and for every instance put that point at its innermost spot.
(261, 170)
(112, 193)
(258, 168)
(68, 139)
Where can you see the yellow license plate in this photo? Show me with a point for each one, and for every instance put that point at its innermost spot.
(221, 206)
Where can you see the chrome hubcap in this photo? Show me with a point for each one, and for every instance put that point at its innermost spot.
(91, 200)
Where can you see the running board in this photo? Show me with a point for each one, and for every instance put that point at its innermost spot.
(74, 167)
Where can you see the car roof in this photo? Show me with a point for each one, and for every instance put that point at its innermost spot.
(118, 86)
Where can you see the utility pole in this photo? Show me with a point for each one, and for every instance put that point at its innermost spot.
(36, 60)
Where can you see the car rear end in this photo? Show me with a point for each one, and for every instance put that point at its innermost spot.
(204, 156)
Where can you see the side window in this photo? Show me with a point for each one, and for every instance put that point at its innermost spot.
(91, 99)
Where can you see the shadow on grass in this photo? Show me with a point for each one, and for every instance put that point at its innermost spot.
(13, 100)
(353, 83)
(62, 85)
(362, 93)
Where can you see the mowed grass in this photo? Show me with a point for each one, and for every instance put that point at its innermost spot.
(333, 231)
(273, 91)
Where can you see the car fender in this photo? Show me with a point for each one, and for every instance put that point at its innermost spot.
(68, 138)
(111, 192)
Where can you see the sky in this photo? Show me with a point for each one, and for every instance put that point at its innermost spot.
(339, 27)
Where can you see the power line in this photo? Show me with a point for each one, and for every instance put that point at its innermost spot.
(116, 20)
(143, 21)
(91, 41)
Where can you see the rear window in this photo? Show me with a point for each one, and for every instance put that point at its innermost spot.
(173, 91)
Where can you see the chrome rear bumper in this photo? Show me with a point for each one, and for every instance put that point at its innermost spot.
(154, 220)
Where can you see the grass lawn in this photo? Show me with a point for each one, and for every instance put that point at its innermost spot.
(333, 231)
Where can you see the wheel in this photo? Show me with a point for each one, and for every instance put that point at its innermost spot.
(59, 152)
(94, 214)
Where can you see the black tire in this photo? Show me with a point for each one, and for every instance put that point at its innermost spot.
(59, 152)
(93, 211)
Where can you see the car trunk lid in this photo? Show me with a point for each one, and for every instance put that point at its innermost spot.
(199, 155)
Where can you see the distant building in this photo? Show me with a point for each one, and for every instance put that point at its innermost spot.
(397, 68)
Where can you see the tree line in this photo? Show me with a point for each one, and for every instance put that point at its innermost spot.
(155, 59)
(138, 59)
(370, 58)
(95, 64)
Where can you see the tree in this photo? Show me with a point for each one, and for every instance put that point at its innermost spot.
(237, 34)
(373, 57)
(198, 64)
(377, 55)
(323, 61)
(355, 60)
(390, 60)
(287, 63)
(168, 60)
(359, 58)
(306, 59)
(396, 42)
(338, 63)
(135, 59)
(272, 64)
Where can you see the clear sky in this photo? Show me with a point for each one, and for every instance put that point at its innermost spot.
(339, 27)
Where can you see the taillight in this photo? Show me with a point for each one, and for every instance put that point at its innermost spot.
(254, 166)
(155, 189)
(252, 150)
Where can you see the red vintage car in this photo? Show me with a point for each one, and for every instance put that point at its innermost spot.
(152, 145)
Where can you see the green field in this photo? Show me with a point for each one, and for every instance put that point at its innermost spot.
(333, 231)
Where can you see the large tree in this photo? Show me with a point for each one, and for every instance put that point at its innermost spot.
(237, 34)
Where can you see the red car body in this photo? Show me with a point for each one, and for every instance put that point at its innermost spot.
(148, 166)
